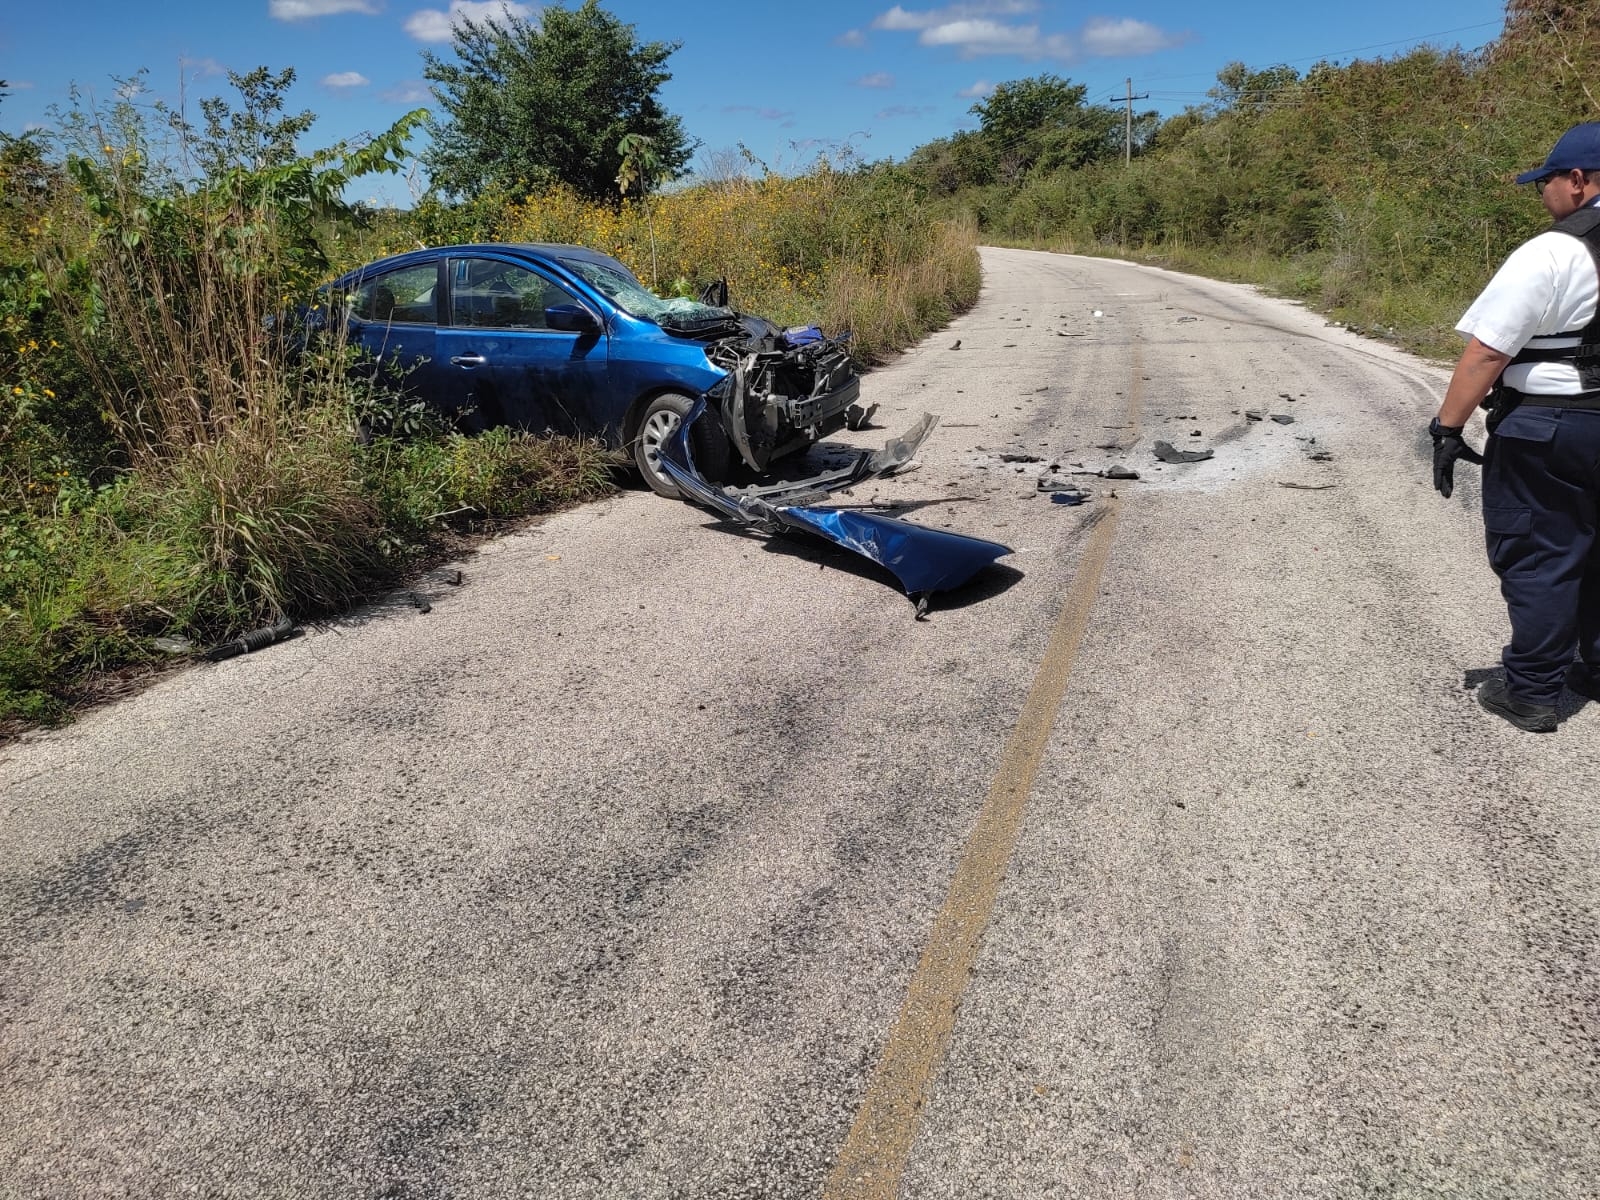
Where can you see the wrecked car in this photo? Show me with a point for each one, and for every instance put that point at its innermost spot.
(562, 338)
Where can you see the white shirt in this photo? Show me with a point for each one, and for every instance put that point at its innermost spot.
(1547, 285)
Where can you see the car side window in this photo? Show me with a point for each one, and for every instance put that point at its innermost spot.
(486, 293)
(398, 297)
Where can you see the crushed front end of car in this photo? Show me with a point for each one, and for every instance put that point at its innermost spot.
(784, 389)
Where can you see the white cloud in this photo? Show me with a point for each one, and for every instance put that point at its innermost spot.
(411, 91)
(345, 79)
(977, 91)
(1108, 38)
(852, 38)
(878, 79)
(202, 68)
(906, 20)
(983, 28)
(301, 10)
(899, 19)
(19, 85)
(903, 110)
(435, 25)
(974, 37)
(981, 37)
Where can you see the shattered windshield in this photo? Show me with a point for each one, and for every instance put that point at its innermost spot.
(627, 293)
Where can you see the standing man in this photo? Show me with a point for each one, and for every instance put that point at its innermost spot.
(1533, 348)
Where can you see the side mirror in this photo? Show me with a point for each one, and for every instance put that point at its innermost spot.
(571, 318)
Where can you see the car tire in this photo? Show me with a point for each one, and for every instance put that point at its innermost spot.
(660, 418)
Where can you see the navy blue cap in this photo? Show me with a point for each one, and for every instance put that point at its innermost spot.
(1578, 148)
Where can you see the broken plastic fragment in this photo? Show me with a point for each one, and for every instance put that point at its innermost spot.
(856, 417)
(1054, 483)
(1165, 452)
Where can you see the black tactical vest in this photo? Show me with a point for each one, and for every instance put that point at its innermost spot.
(1585, 226)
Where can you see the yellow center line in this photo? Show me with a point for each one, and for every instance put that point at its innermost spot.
(874, 1155)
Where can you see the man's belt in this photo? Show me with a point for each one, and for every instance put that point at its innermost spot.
(1513, 398)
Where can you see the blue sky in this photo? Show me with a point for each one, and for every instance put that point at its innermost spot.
(786, 80)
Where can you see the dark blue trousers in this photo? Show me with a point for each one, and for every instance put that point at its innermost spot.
(1541, 501)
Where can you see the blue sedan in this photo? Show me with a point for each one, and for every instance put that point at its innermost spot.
(562, 338)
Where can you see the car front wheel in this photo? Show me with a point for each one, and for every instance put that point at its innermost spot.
(660, 420)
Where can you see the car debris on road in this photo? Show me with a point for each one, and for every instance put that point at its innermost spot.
(924, 560)
(1168, 454)
(257, 639)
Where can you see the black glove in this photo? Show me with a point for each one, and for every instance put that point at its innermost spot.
(1449, 445)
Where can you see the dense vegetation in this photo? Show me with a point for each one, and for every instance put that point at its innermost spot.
(1379, 190)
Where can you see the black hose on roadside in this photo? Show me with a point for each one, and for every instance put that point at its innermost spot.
(280, 630)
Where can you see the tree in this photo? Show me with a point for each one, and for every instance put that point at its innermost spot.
(532, 104)
(1022, 107)
(1044, 120)
(1239, 89)
(251, 136)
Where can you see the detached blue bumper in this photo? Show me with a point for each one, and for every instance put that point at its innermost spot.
(924, 560)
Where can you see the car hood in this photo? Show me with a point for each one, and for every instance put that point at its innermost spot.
(704, 323)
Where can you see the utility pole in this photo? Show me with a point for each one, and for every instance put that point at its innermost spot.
(1127, 142)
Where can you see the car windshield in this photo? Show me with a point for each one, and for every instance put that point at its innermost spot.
(613, 281)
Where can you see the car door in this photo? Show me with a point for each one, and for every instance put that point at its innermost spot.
(515, 369)
(394, 322)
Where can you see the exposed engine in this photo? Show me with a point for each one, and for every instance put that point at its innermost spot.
(783, 389)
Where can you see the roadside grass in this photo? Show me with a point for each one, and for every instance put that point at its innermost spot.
(232, 539)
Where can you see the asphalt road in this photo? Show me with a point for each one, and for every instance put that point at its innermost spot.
(1173, 858)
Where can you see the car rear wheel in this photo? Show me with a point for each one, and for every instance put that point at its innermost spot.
(660, 420)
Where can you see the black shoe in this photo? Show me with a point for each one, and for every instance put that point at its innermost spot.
(1535, 718)
(1585, 680)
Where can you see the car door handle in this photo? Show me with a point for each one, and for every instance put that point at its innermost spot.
(468, 360)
